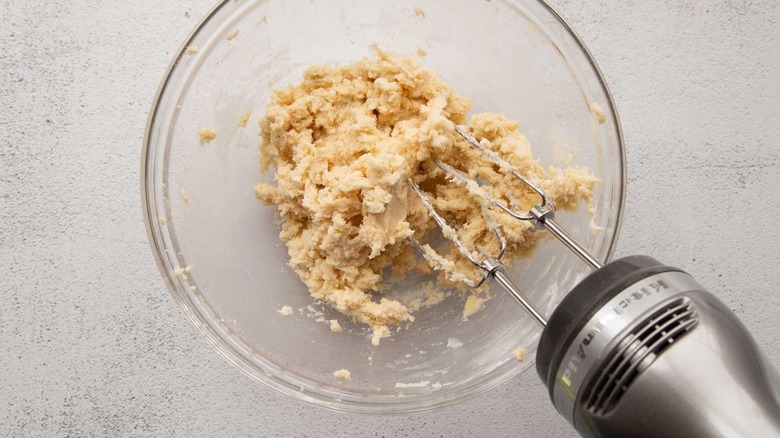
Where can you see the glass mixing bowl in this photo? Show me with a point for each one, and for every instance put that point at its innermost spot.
(517, 57)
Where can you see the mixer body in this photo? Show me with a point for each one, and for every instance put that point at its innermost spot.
(639, 349)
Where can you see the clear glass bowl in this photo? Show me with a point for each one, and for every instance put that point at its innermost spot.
(514, 57)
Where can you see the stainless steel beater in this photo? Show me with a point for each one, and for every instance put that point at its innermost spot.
(542, 215)
(637, 349)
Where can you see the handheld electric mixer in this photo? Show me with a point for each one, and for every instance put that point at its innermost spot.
(638, 348)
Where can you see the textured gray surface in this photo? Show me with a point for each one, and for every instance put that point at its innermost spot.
(91, 344)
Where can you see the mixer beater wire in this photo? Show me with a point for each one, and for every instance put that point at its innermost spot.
(542, 215)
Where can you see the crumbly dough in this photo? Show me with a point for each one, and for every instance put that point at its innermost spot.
(380, 332)
(433, 297)
(520, 353)
(598, 111)
(473, 305)
(181, 273)
(232, 35)
(335, 327)
(343, 375)
(206, 135)
(191, 50)
(286, 311)
(185, 196)
(244, 119)
(344, 143)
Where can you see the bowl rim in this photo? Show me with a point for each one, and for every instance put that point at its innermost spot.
(273, 381)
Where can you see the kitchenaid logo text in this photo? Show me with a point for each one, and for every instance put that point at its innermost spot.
(580, 354)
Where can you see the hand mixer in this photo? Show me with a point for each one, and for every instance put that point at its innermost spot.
(637, 349)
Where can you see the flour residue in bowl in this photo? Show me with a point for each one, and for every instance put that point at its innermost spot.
(344, 143)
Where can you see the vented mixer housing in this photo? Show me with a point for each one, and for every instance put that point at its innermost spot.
(639, 349)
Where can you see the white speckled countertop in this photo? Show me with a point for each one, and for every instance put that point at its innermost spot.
(92, 344)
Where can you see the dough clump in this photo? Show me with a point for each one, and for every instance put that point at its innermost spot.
(345, 142)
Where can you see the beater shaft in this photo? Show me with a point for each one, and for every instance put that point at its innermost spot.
(544, 219)
(510, 287)
(542, 215)
(490, 267)
(494, 269)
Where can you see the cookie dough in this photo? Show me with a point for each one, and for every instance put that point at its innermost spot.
(206, 135)
(473, 305)
(343, 375)
(520, 353)
(232, 35)
(244, 119)
(344, 143)
(181, 273)
(185, 197)
(598, 111)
